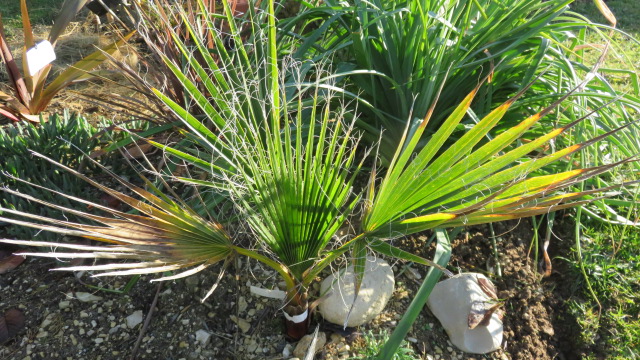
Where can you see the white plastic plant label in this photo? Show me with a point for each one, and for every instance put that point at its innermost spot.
(39, 56)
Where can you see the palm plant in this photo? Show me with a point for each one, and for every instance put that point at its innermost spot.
(277, 148)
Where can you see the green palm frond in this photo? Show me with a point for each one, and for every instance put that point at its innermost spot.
(473, 183)
(467, 183)
(297, 191)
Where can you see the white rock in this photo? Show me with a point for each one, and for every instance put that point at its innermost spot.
(251, 346)
(134, 319)
(87, 297)
(203, 337)
(303, 345)
(376, 289)
(451, 301)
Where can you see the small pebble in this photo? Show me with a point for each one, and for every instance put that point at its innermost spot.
(288, 349)
(134, 319)
(87, 297)
(203, 337)
(243, 324)
(64, 304)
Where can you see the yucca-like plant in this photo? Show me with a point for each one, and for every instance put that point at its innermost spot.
(29, 95)
(283, 155)
(415, 50)
(402, 54)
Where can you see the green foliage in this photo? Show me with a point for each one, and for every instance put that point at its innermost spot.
(398, 55)
(272, 136)
(611, 259)
(373, 343)
(625, 46)
(64, 138)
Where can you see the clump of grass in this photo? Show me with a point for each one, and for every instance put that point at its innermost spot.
(625, 46)
(373, 343)
(607, 307)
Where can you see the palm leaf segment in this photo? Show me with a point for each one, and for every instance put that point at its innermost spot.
(470, 184)
(164, 235)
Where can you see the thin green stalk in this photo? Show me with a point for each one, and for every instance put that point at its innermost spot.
(494, 246)
(441, 257)
(581, 263)
(535, 241)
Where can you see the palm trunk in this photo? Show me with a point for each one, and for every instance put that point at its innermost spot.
(297, 314)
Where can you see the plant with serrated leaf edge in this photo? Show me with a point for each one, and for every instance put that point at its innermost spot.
(30, 95)
(289, 166)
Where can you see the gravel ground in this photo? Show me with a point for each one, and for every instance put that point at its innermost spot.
(67, 318)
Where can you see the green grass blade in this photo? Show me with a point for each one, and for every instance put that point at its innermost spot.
(441, 257)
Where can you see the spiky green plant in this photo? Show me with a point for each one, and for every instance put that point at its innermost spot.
(287, 159)
(29, 96)
(405, 53)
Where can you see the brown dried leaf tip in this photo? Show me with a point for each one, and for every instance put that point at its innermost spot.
(487, 287)
(10, 262)
(480, 314)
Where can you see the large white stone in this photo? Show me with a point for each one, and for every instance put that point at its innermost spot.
(376, 289)
(451, 302)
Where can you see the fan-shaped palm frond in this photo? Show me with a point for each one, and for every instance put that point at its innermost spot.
(165, 235)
